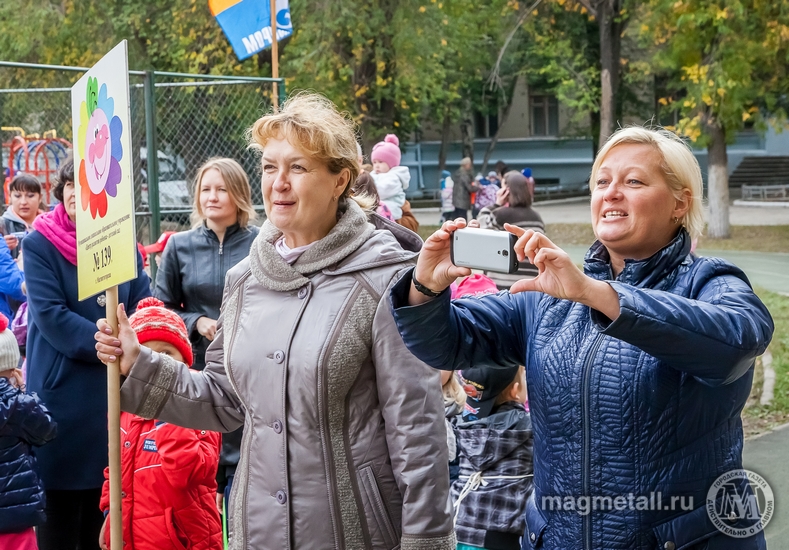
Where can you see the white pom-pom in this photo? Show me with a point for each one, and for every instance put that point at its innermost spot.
(391, 138)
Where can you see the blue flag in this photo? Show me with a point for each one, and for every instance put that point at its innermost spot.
(247, 23)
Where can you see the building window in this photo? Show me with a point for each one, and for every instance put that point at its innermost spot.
(544, 115)
(485, 126)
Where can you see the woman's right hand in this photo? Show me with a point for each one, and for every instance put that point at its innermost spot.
(434, 268)
(125, 346)
(207, 327)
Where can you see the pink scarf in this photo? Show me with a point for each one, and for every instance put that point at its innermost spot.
(60, 231)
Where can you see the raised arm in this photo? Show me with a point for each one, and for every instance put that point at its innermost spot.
(715, 335)
(159, 387)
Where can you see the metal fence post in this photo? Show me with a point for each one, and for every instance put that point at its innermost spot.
(282, 93)
(153, 160)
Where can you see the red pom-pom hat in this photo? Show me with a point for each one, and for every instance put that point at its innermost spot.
(153, 321)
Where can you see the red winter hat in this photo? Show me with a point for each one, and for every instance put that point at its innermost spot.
(153, 321)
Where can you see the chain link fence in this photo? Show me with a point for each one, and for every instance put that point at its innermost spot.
(185, 118)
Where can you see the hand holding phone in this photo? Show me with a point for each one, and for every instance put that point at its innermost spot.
(484, 249)
(434, 268)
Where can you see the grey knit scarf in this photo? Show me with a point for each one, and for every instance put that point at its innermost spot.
(272, 272)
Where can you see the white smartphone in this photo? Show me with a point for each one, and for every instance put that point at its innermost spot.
(484, 249)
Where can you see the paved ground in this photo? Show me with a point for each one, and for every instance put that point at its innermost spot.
(766, 455)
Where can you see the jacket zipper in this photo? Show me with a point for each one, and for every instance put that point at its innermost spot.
(586, 460)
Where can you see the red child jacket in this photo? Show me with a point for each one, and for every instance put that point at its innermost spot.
(168, 484)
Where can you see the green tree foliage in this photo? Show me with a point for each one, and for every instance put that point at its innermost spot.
(726, 63)
(393, 63)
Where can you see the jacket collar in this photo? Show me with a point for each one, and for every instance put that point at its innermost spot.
(271, 271)
(647, 273)
(232, 229)
(9, 214)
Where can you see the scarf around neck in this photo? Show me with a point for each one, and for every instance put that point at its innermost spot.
(60, 231)
(271, 271)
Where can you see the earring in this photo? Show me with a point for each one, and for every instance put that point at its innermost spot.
(676, 219)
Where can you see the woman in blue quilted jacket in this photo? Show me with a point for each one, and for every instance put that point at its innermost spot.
(638, 366)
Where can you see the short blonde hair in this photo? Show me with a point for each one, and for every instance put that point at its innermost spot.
(312, 123)
(238, 189)
(680, 168)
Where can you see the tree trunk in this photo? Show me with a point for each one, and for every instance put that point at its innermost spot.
(717, 183)
(442, 152)
(610, 41)
(495, 139)
(467, 131)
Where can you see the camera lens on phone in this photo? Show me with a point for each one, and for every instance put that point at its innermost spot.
(505, 253)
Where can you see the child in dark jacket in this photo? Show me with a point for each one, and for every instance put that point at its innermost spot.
(495, 445)
(24, 422)
(168, 473)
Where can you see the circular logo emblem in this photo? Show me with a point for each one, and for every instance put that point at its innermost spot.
(740, 503)
(101, 299)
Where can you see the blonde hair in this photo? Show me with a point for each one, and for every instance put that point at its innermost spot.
(237, 184)
(453, 391)
(680, 168)
(312, 123)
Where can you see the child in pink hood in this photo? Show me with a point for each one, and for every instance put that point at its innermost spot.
(390, 178)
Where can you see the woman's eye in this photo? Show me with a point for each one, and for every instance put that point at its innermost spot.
(269, 168)
(297, 168)
(602, 183)
(634, 182)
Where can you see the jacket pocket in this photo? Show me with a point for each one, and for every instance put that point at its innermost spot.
(179, 541)
(535, 523)
(695, 531)
(375, 506)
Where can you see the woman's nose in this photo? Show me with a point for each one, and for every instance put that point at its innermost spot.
(280, 181)
(613, 191)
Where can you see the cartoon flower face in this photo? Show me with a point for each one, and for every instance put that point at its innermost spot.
(99, 152)
(99, 142)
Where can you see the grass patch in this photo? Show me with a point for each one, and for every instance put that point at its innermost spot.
(759, 418)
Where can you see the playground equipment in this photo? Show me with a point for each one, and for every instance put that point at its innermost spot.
(33, 154)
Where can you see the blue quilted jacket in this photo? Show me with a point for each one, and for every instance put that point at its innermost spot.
(647, 405)
(24, 422)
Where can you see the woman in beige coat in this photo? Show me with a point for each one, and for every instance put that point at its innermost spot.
(344, 443)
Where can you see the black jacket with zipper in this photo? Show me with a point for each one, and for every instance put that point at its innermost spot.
(191, 276)
(190, 281)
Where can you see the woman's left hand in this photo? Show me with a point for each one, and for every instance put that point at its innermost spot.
(559, 276)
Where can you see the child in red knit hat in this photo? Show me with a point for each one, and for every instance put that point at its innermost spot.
(168, 473)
